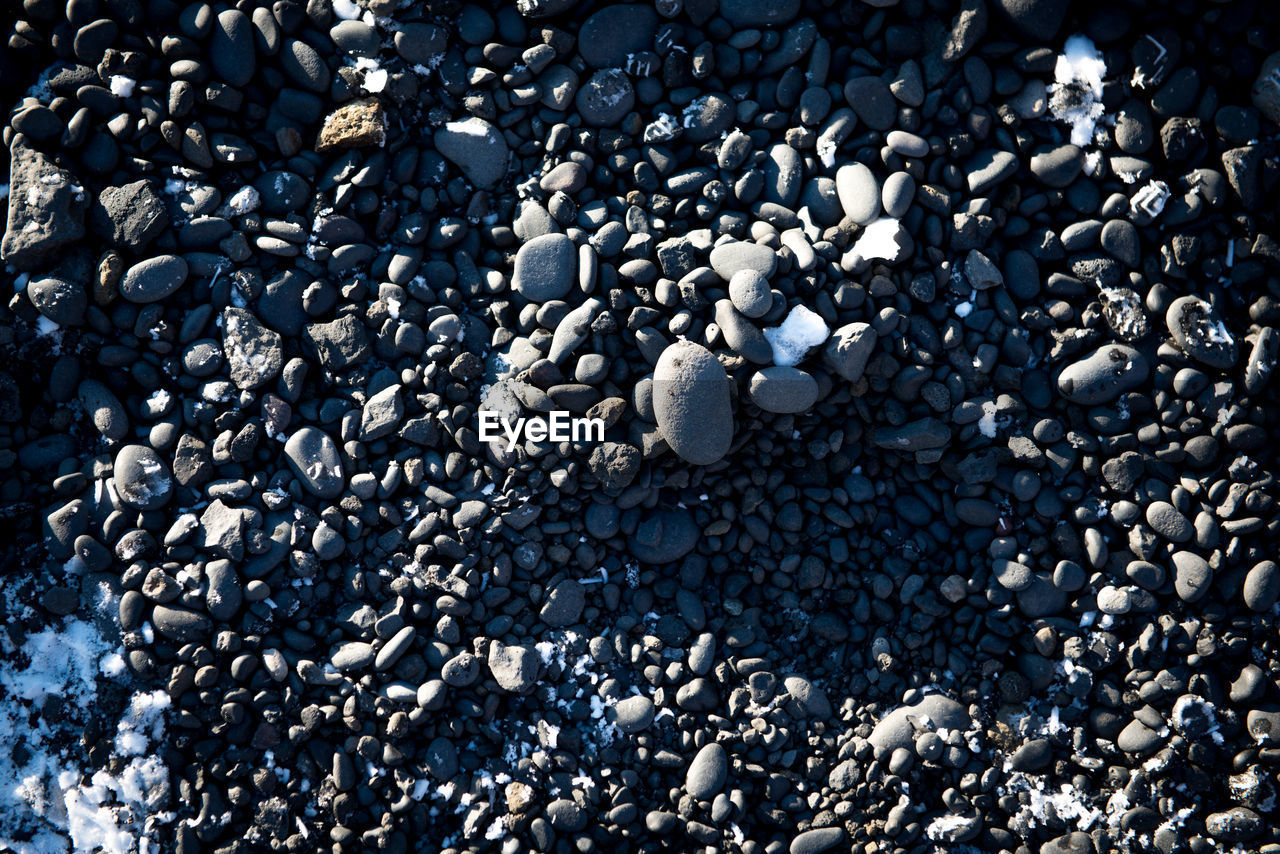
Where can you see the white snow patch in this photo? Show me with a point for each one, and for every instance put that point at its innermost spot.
(801, 330)
(879, 240)
(122, 86)
(245, 200)
(471, 127)
(987, 423)
(1077, 93)
(346, 10)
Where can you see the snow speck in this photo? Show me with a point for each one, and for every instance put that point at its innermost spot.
(801, 330)
(987, 423)
(122, 86)
(245, 200)
(964, 309)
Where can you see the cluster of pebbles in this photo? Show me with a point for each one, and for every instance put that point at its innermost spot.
(937, 503)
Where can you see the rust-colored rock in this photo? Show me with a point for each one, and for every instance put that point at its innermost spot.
(359, 124)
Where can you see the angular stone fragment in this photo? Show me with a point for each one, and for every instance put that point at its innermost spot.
(46, 207)
(356, 124)
(254, 353)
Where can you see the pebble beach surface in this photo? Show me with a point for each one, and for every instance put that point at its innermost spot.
(747, 426)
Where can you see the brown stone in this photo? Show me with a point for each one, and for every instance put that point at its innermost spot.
(359, 124)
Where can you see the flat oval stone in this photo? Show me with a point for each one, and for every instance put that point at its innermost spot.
(231, 51)
(783, 390)
(304, 66)
(1262, 586)
(1201, 335)
(1168, 522)
(142, 479)
(898, 192)
(729, 258)
(1103, 375)
(634, 714)
(314, 458)
(153, 279)
(859, 193)
(707, 772)
(741, 334)
(691, 402)
(545, 268)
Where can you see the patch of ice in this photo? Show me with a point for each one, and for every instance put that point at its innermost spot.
(375, 81)
(801, 330)
(964, 309)
(879, 240)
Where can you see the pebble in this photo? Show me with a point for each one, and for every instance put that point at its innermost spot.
(605, 98)
(1262, 586)
(142, 479)
(231, 49)
(691, 403)
(897, 194)
(1103, 375)
(728, 259)
(1192, 576)
(783, 390)
(895, 730)
(477, 148)
(514, 668)
(46, 210)
(708, 772)
(313, 457)
(749, 291)
(545, 268)
(1196, 328)
(859, 193)
(1057, 166)
(129, 216)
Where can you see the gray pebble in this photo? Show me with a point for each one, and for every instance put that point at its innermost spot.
(749, 291)
(545, 268)
(729, 258)
(691, 402)
(154, 278)
(606, 98)
(708, 772)
(1103, 375)
(634, 714)
(1192, 576)
(477, 148)
(783, 390)
(898, 192)
(142, 479)
(313, 456)
(859, 193)
(1195, 328)
(514, 668)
